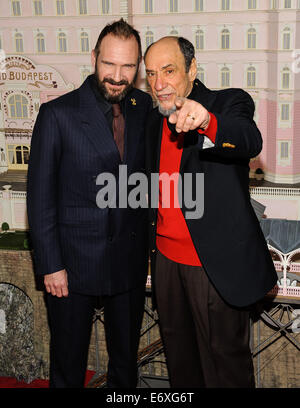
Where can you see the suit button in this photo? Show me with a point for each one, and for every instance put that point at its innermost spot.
(153, 223)
(153, 250)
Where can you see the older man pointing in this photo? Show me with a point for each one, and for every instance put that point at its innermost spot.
(206, 271)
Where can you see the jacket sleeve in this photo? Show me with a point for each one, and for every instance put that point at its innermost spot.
(237, 134)
(42, 191)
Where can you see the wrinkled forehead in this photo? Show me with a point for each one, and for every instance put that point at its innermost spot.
(164, 52)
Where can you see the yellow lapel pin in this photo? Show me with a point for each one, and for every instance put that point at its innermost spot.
(133, 101)
(228, 145)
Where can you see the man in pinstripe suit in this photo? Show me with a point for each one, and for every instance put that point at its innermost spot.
(86, 253)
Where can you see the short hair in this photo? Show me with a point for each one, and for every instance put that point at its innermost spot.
(186, 47)
(120, 29)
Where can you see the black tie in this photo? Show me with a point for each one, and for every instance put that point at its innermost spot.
(118, 128)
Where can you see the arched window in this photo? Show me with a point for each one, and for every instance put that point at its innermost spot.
(17, 155)
(18, 107)
(225, 77)
(22, 154)
(199, 40)
(285, 78)
(251, 38)
(286, 39)
(225, 39)
(149, 38)
(40, 42)
(174, 32)
(200, 74)
(19, 42)
(251, 77)
(62, 42)
(84, 42)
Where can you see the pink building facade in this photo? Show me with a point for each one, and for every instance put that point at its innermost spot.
(245, 44)
(251, 44)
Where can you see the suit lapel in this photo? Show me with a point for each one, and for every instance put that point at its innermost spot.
(202, 95)
(132, 133)
(96, 129)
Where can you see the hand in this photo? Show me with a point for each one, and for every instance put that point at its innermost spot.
(57, 283)
(189, 115)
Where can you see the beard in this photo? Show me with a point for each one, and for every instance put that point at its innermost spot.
(166, 112)
(114, 96)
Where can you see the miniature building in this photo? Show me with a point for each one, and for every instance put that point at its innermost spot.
(283, 238)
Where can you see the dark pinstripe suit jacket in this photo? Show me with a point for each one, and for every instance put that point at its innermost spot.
(103, 250)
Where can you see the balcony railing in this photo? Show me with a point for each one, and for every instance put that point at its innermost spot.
(275, 191)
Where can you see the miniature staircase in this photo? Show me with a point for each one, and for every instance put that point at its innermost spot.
(13, 176)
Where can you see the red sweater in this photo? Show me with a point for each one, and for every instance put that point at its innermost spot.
(173, 239)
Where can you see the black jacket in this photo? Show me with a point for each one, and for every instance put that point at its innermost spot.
(228, 237)
(103, 250)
